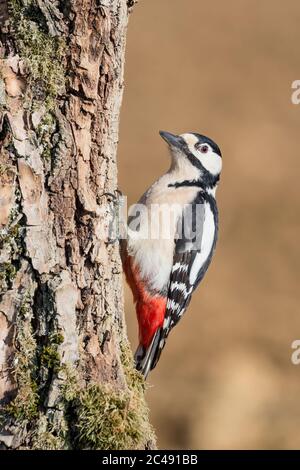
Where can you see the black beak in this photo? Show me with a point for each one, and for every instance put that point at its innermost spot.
(171, 139)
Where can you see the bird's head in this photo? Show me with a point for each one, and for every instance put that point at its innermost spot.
(197, 152)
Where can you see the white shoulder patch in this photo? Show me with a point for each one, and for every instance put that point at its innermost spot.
(206, 243)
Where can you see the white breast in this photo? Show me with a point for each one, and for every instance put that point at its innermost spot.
(153, 250)
(154, 259)
(206, 243)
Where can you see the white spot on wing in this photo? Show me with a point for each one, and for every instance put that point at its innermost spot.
(172, 305)
(180, 267)
(179, 286)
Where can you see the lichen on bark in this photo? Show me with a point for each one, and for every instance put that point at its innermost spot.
(42, 52)
(64, 355)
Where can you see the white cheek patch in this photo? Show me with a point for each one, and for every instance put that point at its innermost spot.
(211, 161)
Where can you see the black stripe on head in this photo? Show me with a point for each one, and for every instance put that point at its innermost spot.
(202, 139)
(208, 180)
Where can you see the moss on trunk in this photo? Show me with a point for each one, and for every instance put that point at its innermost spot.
(69, 379)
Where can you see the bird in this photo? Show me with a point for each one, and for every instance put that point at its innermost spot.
(171, 237)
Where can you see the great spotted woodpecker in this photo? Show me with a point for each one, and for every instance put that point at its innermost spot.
(163, 268)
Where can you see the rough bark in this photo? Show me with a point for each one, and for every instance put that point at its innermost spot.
(67, 378)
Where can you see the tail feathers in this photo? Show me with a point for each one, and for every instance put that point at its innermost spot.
(146, 359)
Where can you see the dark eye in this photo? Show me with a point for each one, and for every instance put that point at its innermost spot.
(203, 148)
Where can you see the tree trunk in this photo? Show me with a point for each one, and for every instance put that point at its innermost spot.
(67, 378)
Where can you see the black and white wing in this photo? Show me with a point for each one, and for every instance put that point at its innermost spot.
(197, 236)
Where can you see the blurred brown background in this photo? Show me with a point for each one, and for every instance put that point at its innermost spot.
(225, 379)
